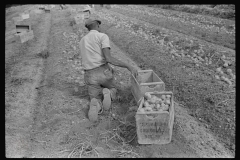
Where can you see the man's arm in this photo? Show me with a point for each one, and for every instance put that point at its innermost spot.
(116, 62)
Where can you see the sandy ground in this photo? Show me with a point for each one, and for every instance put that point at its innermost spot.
(46, 104)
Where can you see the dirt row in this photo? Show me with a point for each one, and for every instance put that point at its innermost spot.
(23, 70)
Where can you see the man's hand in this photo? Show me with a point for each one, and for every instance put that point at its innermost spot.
(133, 71)
(116, 62)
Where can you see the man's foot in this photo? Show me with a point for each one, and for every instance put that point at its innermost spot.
(108, 95)
(94, 110)
(106, 99)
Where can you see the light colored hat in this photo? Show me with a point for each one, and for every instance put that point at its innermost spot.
(91, 21)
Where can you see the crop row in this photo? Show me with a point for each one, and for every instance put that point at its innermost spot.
(220, 11)
(217, 24)
(211, 29)
(178, 45)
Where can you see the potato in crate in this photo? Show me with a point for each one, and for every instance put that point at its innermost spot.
(146, 81)
(154, 118)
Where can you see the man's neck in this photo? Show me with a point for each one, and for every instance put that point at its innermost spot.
(94, 30)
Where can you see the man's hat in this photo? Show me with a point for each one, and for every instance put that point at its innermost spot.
(91, 21)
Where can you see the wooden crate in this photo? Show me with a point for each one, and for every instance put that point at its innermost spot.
(26, 36)
(155, 127)
(23, 28)
(86, 15)
(42, 8)
(47, 10)
(25, 16)
(147, 81)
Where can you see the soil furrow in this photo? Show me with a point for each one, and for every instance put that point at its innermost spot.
(20, 105)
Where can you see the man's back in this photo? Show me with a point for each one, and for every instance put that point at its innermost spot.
(91, 49)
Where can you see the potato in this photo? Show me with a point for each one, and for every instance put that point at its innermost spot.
(225, 64)
(163, 97)
(147, 96)
(168, 96)
(217, 77)
(219, 69)
(154, 103)
(158, 106)
(148, 109)
(146, 104)
(229, 70)
(158, 101)
(165, 107)
(155, 108)
(153, 99)
(168, 101)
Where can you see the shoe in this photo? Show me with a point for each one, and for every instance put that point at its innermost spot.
(94, 110)
(101, 106)
(108, 96)
(106, 99)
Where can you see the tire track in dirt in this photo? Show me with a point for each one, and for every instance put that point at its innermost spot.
(21, 95)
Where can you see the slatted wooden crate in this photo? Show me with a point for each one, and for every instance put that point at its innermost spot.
(147, 81)
(26, 36)
(22, 28)
(25, 16)
(155, 127)
(47, 10)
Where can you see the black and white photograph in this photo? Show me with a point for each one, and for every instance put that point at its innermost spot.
(120, 81)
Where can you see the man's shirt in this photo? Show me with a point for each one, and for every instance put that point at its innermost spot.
(91, 49)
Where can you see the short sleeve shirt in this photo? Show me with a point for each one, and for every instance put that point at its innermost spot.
(91, 46)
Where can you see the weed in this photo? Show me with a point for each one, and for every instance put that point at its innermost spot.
(44, 54)
(72, 23)
(135, 27)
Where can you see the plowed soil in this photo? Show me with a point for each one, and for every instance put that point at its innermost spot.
(46, 101)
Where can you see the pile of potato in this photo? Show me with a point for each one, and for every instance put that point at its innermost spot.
(154, 103)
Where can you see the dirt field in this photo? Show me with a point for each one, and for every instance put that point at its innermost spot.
(46, 102)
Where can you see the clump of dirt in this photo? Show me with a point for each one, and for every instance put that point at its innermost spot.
(44, 54)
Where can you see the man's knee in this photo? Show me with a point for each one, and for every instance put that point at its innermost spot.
(95, 92)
